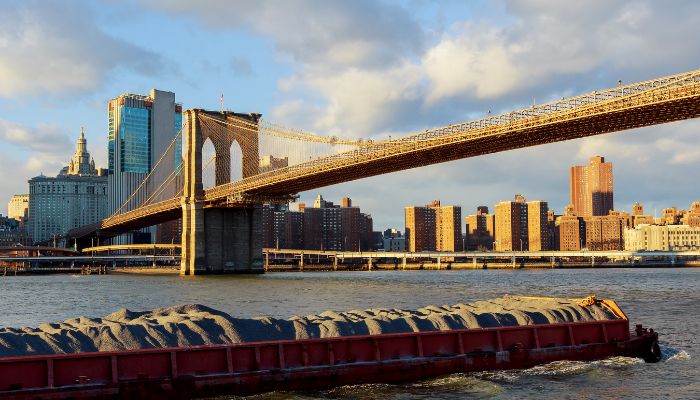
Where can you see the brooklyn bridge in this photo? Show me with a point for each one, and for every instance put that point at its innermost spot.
(221, 215)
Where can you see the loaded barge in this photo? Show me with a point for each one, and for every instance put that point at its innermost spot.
(255, 367)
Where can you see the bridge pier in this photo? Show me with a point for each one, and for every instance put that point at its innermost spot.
(221, 240)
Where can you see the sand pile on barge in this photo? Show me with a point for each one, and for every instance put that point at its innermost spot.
(195, 325)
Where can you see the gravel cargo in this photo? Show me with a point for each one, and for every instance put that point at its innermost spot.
(195, 325)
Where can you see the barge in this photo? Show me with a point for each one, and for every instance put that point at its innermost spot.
(255, 367)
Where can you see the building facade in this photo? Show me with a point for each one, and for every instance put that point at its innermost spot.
(74, 198)
(420, 228)
(539, 238)
(12, 234)
(141, 129)
(270, 163)
(662, 238)
(325, 226)
(480, 230)
(394, 243)
(591, 188)
(692, 217)
(433, 227)
(512, 225)
(605, 233)
(18, 207)
(448, 227)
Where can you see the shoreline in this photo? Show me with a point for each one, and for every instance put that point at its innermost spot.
(169, 271)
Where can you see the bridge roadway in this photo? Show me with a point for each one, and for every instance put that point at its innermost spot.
(474, 257)
(641, 104)
(485, 254)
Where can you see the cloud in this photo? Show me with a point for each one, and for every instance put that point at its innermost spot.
(58, 48)
(43, 139)
(241, 67)
(28, 152)
(358, 99)
(323, 33)
(369, 69)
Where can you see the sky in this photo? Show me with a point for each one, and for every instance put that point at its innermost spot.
(357, 69)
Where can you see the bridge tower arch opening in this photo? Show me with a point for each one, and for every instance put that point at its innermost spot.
(219, 238)
(237, 163)
(209, 165)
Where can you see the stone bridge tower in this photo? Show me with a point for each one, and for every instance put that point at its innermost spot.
(219, 239)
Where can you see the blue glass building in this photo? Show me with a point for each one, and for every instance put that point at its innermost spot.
(140, 130)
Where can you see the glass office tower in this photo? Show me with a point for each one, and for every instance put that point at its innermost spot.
(140, 130)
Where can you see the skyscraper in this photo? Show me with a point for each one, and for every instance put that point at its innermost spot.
(141, 128)
(591, 188)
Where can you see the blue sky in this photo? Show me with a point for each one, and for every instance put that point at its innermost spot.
(356, 69)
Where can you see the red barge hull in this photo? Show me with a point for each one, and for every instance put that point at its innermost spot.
(248, 368)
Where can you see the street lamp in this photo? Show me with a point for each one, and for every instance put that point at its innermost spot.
(521, 245)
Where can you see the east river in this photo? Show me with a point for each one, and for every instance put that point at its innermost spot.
(667, 300)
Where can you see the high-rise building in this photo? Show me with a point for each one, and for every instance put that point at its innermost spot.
(294, 230)
(313, 227)
(570, 231)
(433, 227)
(480, 230)
(512, 225)
(18, 207)
(538, 226)
(369, 239)
(141, 129)
(268, 226)
(74, 198)
(448, 227)
(420, 228)
(604, 233)
(591, 188)
(350, 225)
(325, 226)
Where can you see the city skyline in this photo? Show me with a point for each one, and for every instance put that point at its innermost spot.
(335, 85)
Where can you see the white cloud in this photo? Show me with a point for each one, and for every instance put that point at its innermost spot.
(366, 68)
(357, 100)
(465, 65)
(42, 149)
(57, 47)
(44, 139)
(332, 32)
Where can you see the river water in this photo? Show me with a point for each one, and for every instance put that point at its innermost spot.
(667, 300)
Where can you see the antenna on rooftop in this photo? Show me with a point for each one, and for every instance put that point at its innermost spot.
(222, 102)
